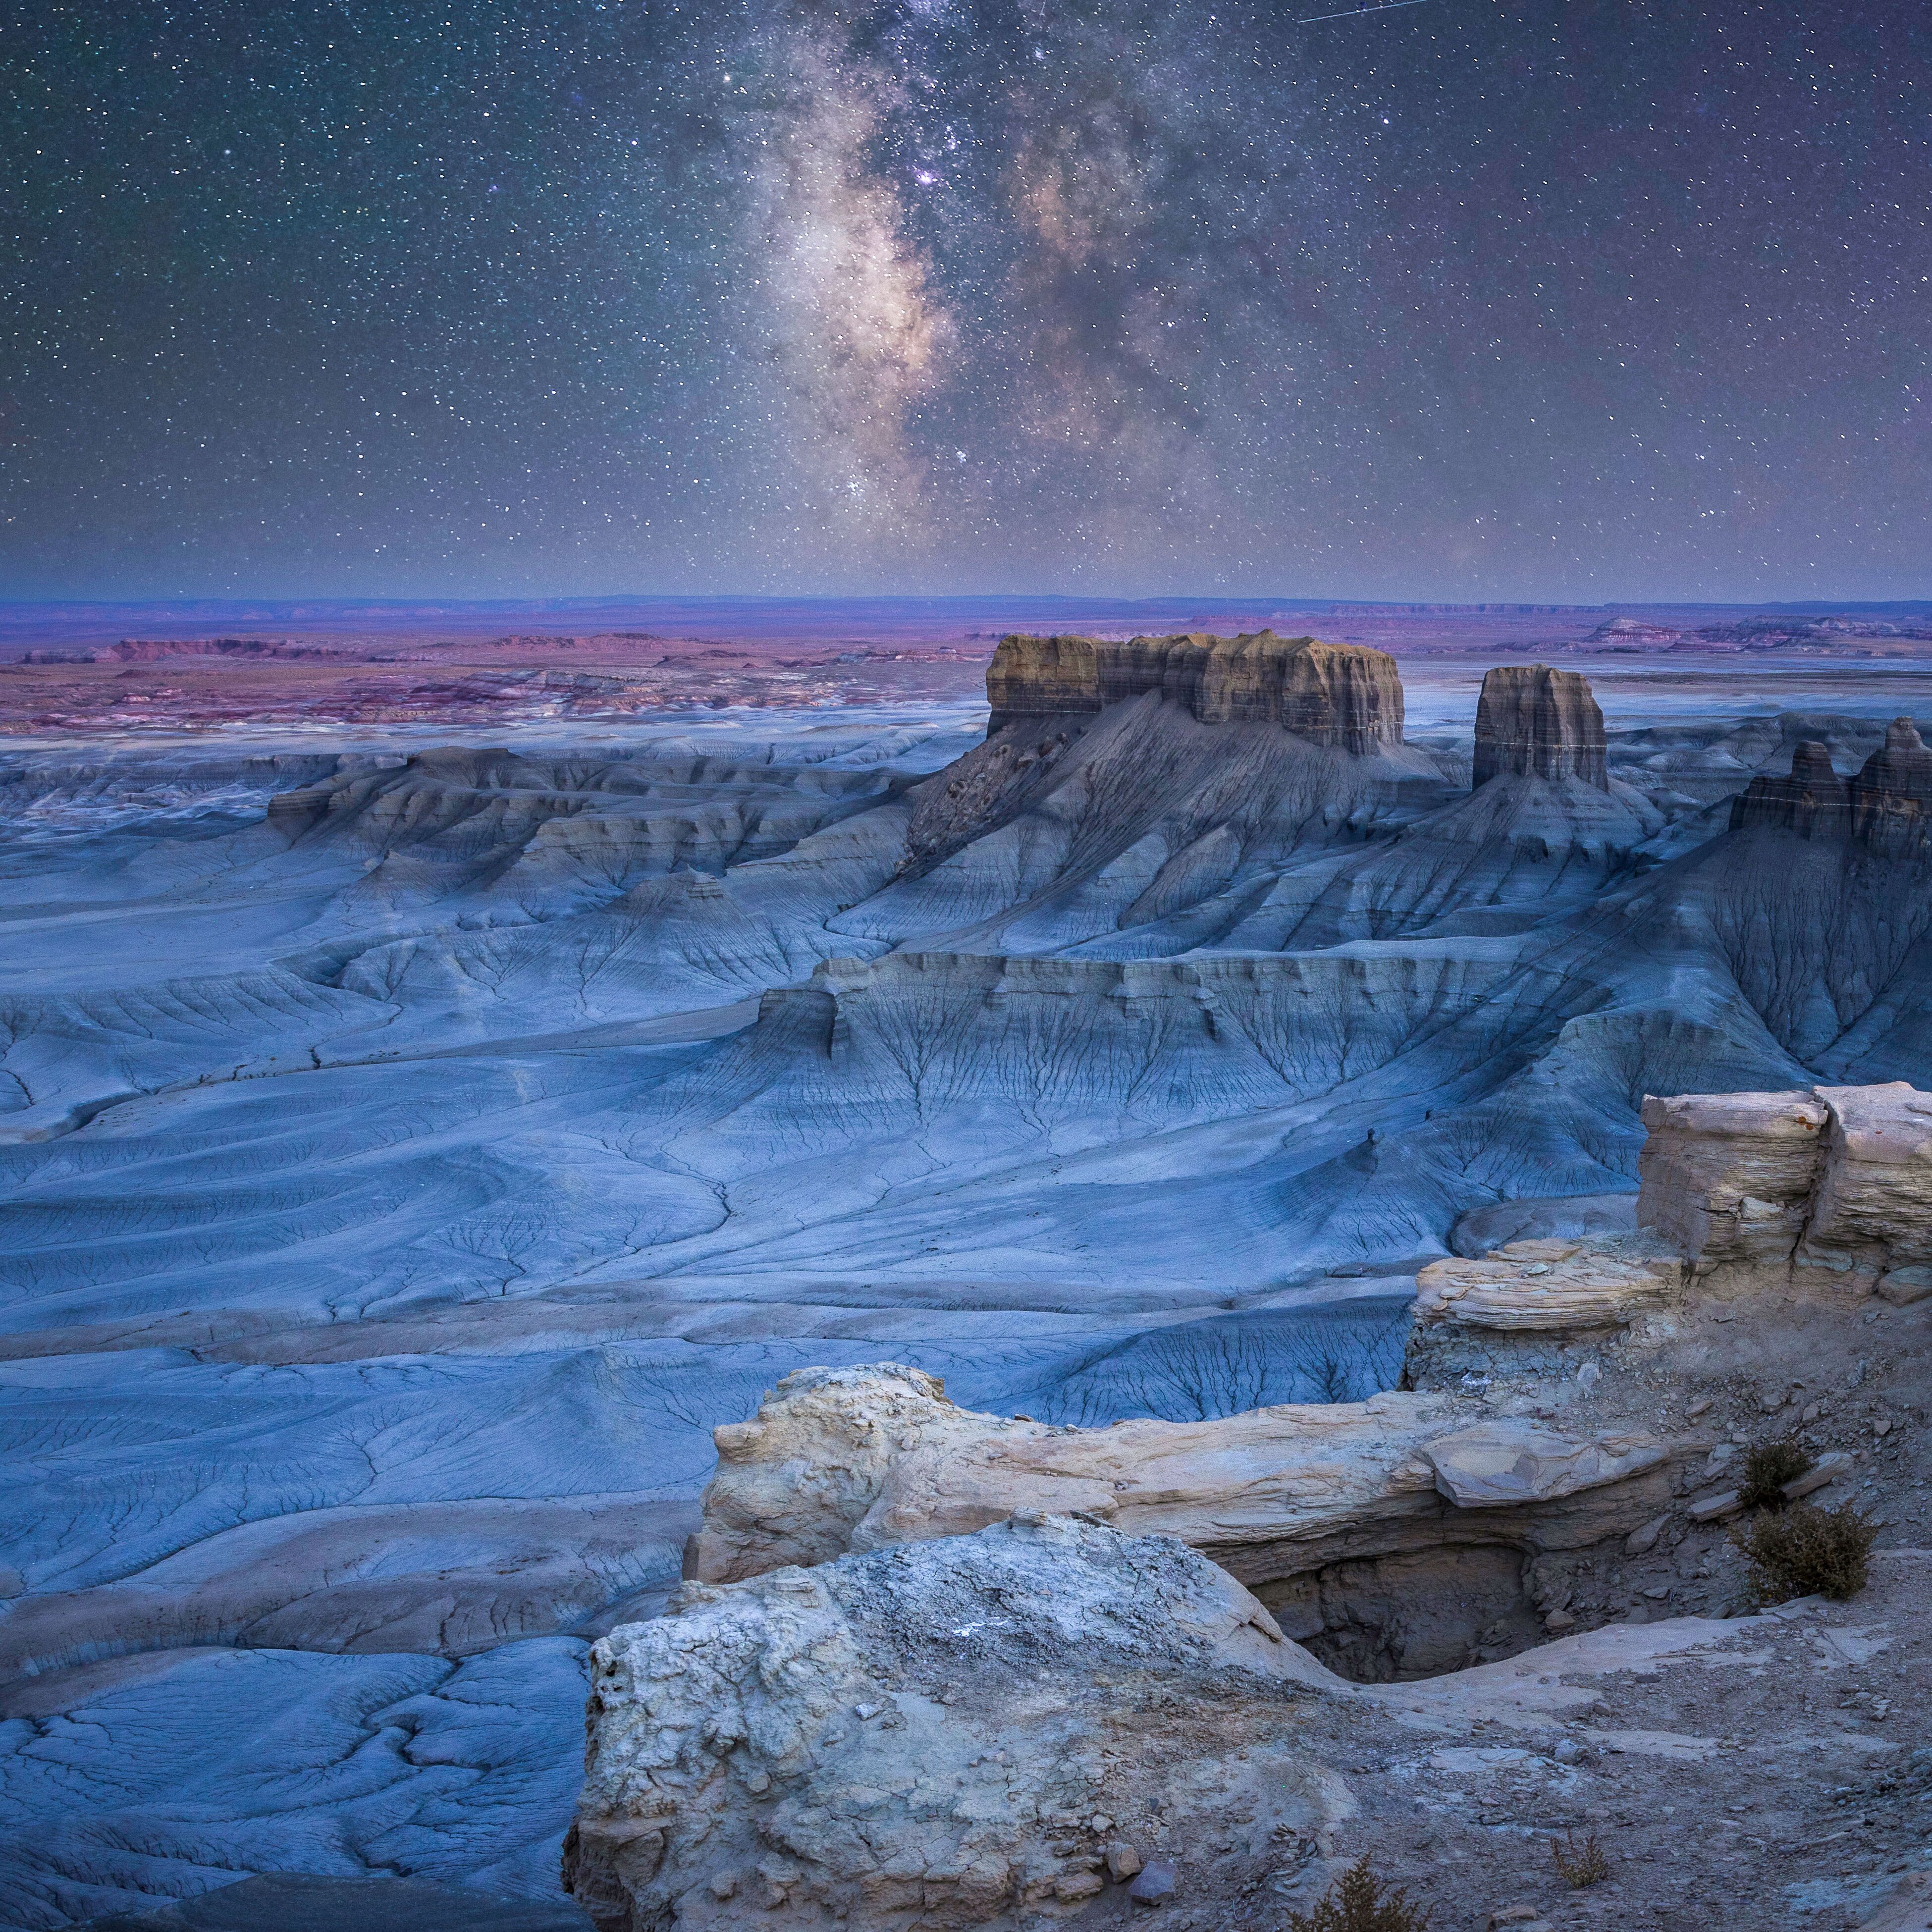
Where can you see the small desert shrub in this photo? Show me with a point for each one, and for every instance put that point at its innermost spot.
(1767, 1469)
(1803, 1551)
(1356, 1903)
(1578, 1865)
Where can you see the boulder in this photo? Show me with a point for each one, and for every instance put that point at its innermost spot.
(1483, 1229)
(1339, 695)
(1901, 1287)
(1532, 721)
(938, 1734)
(1829, 1467)
(1547, 1286)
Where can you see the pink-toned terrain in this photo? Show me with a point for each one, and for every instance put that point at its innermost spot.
(90, 669)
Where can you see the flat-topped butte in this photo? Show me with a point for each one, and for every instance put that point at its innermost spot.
(1341, 694)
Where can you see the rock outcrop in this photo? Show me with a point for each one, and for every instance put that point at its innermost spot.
(1340, 694)
(1547, 1286)
(1729, 1177)
(1885, 806)
(938, 1736)
(1832, 1183)
(1343, 1517)
(1813, 801)
(1821, 1191)
(1003, 1730)
(1533, 721)
(932, 1668)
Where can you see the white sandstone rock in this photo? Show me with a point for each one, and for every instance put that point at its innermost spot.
(1729, 1176)
(1024, 1676)
(1875, 1192)
(858, 1458)
(1505, 1462)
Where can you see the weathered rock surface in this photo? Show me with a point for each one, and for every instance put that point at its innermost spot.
(1341, 694)
(1892, 796)
(1549, 1286)
(987, 1730)
(1497, 1464)
(1729, 1176)
(857, 1459)
(1813, 802)
(1823, 1192)
(1873, 1206)
(1531, 1217)
(940, 1735)
(1532, 721)
(1836, 1179)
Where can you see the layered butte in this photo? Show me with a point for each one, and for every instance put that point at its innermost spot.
(1341, 694)
(1534, 722)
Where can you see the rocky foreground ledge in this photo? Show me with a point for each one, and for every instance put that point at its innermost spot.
(932, 1668)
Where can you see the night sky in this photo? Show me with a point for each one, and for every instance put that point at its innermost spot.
(1458, 300)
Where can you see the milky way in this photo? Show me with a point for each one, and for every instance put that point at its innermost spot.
(1456, 300)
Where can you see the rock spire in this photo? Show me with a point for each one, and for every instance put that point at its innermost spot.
(1886, 807)
(1892, 796)
(1532, 721)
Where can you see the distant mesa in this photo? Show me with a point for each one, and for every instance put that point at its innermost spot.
(1885, 807)
(1751, 634)
(1345, 695)
(1634, 630)
(1534, 722)
(154, 650)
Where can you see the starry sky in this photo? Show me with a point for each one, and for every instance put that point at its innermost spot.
(1563, 300)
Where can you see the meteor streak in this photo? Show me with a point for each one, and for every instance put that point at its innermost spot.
(1348, 13)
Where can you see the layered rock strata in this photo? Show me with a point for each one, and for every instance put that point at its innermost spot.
(1532, 721)
(1813, 802)
(1340, 694)
(982, 1728)
(1827, 1188)
(1832, 1183)
(1892, 796)
(1885, 806)
(935, 1668)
